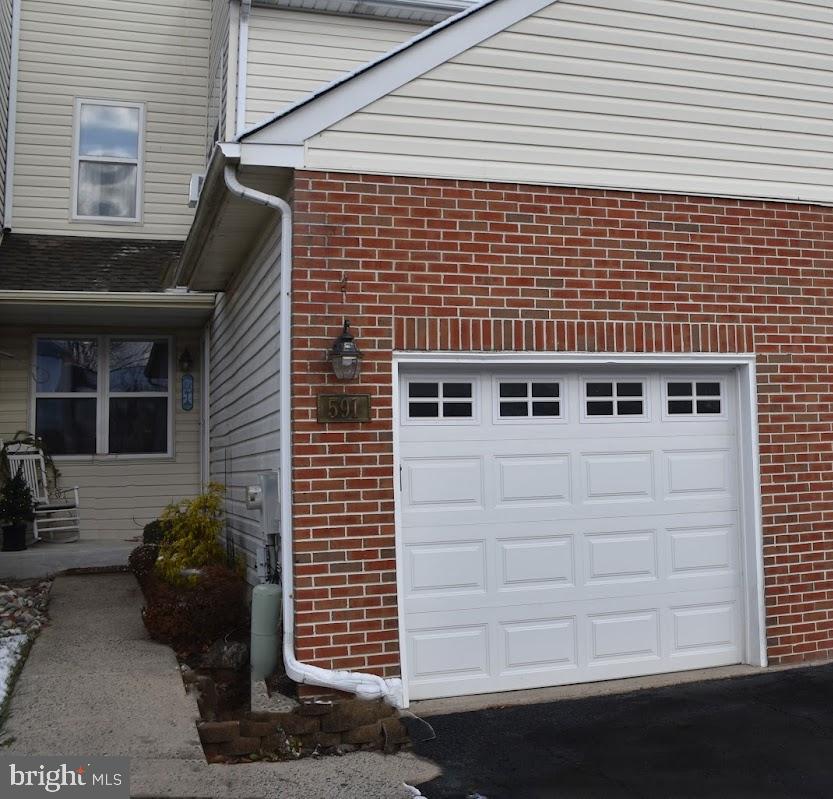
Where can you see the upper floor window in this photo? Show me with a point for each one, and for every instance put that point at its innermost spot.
(108, 161)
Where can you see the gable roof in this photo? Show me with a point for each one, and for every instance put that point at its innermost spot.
(353, 91)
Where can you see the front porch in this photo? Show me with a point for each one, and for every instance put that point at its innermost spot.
(112, 384)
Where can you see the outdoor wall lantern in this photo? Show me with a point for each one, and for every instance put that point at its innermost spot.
(186, 362)
(345, 356)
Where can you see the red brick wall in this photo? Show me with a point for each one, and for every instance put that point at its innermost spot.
(432, 264)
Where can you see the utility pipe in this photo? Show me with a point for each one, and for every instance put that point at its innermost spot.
(366, 686)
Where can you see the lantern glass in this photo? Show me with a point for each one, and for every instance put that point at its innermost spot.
(345, 356)
(346, 367)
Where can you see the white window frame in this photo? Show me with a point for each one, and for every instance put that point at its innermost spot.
(694, 416)
(103, 393)
(139, 161)
(561, 399)
(440, 419)
(615, 417)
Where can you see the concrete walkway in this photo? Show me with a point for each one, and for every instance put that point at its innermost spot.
(44, 559)
(95, 684)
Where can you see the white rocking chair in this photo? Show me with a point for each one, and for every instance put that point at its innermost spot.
(56, 512)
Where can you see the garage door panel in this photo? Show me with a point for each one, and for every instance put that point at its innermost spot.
(623, 636)
(704, 628)
(539, 553)
(449, 652)
(538, 645)
(625, 556)
(582, 560)
(525, 488)
(529, 479)
(704, 473)
(617, 477)
(701, 550)
(535, 563)
(444, 483)
(535, 645)
(446, 569)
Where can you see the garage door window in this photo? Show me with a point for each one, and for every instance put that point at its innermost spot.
(694, 398)
(614, 398)
(524, 399)
(440, 400)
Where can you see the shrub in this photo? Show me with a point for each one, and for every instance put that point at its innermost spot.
(189, 617)
(153, 532)
(192, 540)
(142, 560)
(16, 503)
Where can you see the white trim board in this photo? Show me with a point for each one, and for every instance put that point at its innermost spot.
(742, 369)
(353, 91)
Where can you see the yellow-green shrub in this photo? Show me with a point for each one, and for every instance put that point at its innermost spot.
(192, 539)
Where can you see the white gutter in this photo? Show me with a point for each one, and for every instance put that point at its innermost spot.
(118, 299)
(11, 121)
(242, 65)
(366, 686)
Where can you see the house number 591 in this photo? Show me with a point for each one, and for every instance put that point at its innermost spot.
(343, 408)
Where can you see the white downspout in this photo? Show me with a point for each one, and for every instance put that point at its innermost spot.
(205, 396)
(242, 65)
(11, 121)
(366, 686)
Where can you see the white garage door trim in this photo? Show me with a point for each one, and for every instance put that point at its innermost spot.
(742, 372)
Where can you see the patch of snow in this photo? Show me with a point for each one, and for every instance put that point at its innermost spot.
(11, 648)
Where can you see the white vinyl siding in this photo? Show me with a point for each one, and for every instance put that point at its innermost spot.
(218, 73)
(292, 53)
(153, 53)
(244, 391)
(118, 495)
(5, 75)
(712, 97)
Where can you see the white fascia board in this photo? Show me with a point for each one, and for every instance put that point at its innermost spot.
(385, 9)
(109, 299)
(285, 155)
(352, 92)
(280, 155)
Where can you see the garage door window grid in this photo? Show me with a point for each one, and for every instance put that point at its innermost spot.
(694, 398)
(614, 398)
(450, 400)
(529, 399)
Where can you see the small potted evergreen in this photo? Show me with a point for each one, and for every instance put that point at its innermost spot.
(16, 509)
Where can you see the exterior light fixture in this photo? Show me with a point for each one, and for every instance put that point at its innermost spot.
(345, 356)
(186, 362)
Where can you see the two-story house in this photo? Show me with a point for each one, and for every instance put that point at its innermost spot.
(107, 110)
(584, 250)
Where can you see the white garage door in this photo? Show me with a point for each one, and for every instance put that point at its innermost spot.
(566, 526)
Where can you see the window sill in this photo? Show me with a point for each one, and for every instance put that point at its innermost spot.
(155, 456)
(105, 220)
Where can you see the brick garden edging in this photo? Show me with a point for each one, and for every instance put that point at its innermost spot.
(329, 728)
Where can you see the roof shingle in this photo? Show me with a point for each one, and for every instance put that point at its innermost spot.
(83, 263)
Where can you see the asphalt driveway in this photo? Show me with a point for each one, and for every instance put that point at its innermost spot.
(768, 735)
